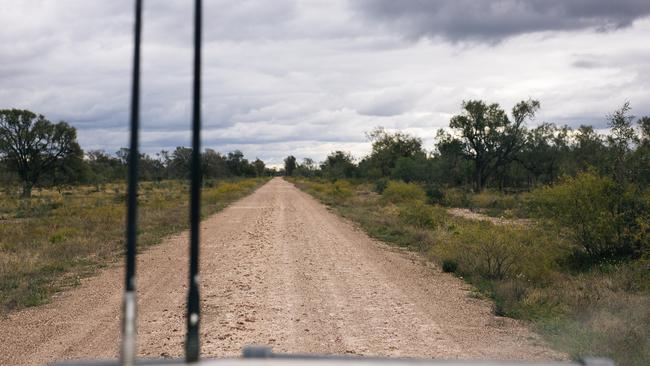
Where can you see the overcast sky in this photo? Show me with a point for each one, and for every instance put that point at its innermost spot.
(308, 77)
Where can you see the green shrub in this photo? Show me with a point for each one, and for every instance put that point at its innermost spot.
(341, 190)
(449, 266)
(398, 192)
(455, 197)
(493, 200)
(421, 215)
(380, 185)
(605, 218)
(496, 252)
(434, 194)
(417, 214)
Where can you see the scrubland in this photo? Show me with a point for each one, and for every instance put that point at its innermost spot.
(542, 272)
(50, 241)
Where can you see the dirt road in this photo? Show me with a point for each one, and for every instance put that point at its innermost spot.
(278, 269)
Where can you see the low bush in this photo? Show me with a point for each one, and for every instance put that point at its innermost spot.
(449, 266)
(380, 185)
(421, 215)
(435, 195)
(493, 200)
(341, 191)
(398, 192)
(496, 252)
(455, 197)
(608, 220)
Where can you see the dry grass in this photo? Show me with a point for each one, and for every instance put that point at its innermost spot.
(55, 238)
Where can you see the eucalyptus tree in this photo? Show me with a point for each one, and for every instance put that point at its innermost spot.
(388, 148)
(33, 146)
(289, 165)
(489, 136)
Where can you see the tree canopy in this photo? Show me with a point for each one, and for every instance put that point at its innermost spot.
(489, 137)
(34, 146)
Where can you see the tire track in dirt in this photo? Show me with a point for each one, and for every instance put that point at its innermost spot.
(277, 269)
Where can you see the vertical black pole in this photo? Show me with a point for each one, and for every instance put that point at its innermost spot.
(192, 346)
(129, 349)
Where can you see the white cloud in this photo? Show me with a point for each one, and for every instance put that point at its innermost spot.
(301, 78)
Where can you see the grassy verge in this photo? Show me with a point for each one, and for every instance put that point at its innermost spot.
(603, 311)
(55, 238)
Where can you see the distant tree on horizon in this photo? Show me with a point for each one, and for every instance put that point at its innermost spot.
(289, 165)
(260, 167)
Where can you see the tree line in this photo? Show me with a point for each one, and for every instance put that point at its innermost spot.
(484, 147)
(592, 184)
(37, 152)
(487, 147)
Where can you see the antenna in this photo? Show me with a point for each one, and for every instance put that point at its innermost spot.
(192, 346)
(129, 348)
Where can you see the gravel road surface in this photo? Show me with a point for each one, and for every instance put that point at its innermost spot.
(277, 269)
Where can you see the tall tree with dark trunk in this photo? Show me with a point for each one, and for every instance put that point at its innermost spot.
(289, 165)
(33, 146)
(490, 138)
(260, 167)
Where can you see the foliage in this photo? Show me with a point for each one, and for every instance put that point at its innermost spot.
(412, 169)
(421, 215)
(489, 199)
(543, 150)
(260, 167)
(399, 192)
(289, 165)
(308, 168)
(340, 191)
(338, 165)
(485, 250)
(213, 165)
(380, 185)
(449, 266)
(238, 165)
(489, 138)
(455, 197)
(606, 219)
(34, 146)
(602, 311)
(388, 148)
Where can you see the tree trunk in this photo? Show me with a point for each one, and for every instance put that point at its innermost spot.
(479, 178)
(27, 189)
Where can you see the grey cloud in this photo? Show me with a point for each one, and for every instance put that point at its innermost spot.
(307, 77)
(492, 21)
(587, 64)
(387, 105)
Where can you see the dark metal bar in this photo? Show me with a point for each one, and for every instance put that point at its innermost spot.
(128, 351)
(192, 346)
